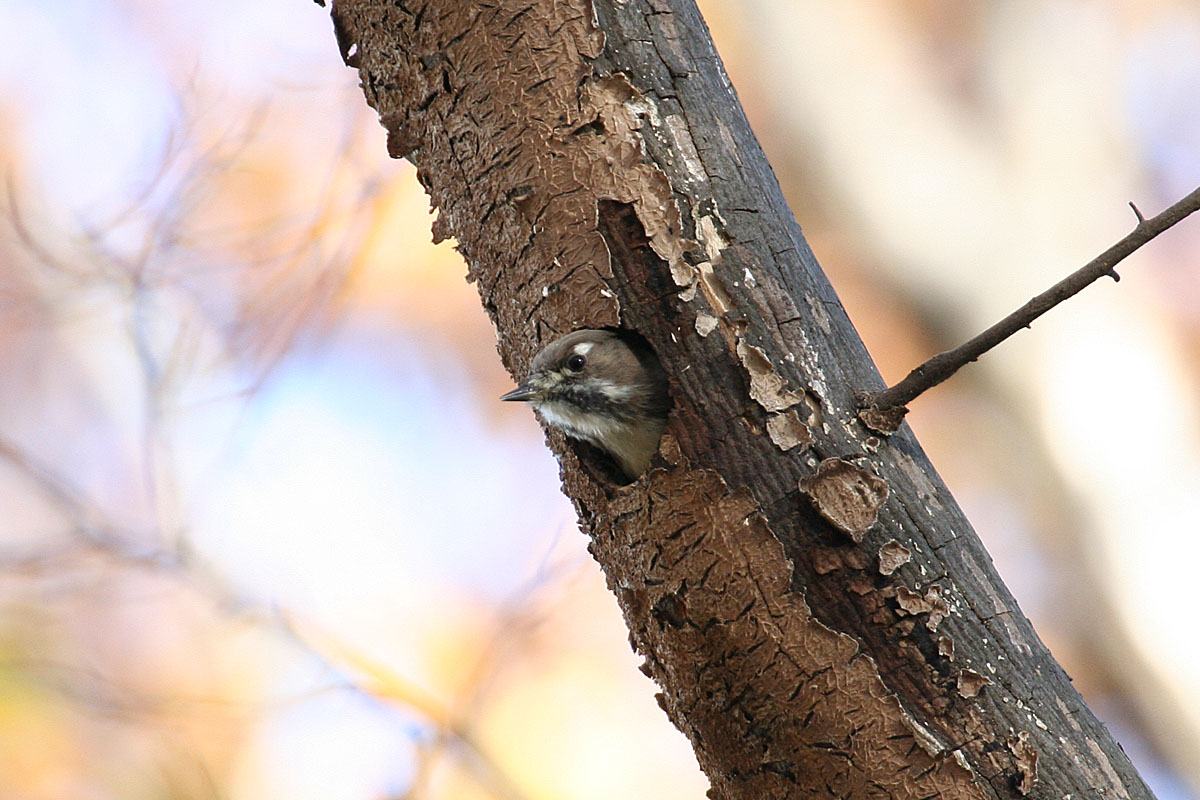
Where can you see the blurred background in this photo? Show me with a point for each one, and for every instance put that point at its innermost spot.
(266, 531)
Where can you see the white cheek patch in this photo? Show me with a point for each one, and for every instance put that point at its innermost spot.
(616, 392)
(580, 424)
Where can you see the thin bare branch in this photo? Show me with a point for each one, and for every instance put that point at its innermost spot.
(377, 680)
(884, 410)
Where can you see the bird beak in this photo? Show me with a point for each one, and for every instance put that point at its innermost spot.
(524, 393)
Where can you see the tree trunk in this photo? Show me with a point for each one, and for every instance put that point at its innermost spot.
(820, 616)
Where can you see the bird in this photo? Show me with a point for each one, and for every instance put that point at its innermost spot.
(604, 387)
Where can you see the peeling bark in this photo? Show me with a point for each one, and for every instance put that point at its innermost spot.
(892, 556)
(847, 496)
(594, 166)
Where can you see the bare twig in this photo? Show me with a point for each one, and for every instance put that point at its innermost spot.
(377, 680)
(884, 410)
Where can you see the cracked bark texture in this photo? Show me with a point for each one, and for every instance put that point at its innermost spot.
(820, 617)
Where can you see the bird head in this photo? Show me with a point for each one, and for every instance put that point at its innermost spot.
(603, 387)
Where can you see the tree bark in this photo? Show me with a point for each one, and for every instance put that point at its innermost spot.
(820, 616)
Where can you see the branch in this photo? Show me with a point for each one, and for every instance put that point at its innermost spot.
(798, 660)
(884, 410)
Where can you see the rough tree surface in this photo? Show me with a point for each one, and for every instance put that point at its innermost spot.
(820, 616)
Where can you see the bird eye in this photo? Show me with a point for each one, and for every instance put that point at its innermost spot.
(576, 362)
